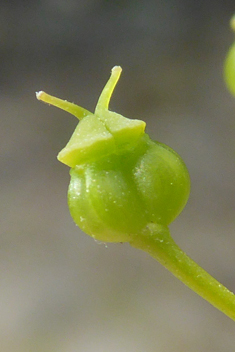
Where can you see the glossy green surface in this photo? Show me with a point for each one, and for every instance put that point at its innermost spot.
(121, 194)
(121, 180)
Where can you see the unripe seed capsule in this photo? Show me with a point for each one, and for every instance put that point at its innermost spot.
(127, 188)
(121, 180)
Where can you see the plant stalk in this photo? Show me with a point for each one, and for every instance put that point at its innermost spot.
(158, 242)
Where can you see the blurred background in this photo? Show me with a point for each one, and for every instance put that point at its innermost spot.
(59, 289)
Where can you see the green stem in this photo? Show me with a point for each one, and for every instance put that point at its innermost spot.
(63, 104)
(159, 244)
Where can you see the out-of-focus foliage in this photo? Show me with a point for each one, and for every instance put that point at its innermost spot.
(229, 65)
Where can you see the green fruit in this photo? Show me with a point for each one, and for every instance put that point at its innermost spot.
(121, 180)
(127, 188)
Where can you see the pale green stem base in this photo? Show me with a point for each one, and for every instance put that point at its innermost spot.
(159, 244)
